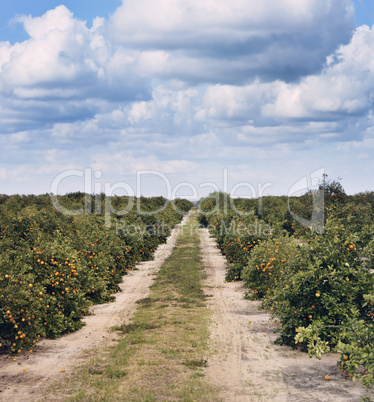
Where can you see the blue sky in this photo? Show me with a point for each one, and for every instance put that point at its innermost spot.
(364, 12)
(172, 98)
(82, 9)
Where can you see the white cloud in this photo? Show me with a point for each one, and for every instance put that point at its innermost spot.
(147, 22)
(331, 106)
(64, 59)
(3, 174)
(59, 19)
(168, 109)
(235, 102)
(234, 41)
(187, 88)
(20, 137)
(139, 111)
(344, 87)
(65, 68)
(124, 162)
(53, 54)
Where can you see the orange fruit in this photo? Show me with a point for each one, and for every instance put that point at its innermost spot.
(327, 377)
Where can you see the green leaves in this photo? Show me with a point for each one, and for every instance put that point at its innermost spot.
(311, 337)
(53, 266)
(356, 348)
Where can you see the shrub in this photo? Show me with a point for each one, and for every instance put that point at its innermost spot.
(271, 264)
(330, 286)
(53, 266)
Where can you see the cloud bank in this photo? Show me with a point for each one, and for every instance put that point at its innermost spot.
(243, 85)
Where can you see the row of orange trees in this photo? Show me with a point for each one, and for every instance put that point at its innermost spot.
(318, 283)
(55, 263)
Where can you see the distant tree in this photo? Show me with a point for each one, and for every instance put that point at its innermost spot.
(333, 191)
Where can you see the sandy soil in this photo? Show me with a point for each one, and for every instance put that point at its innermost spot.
(53, 356)
(246, 365)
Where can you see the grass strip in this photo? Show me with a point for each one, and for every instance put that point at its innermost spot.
(162, 352)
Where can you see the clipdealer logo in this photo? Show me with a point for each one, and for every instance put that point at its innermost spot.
(93, 189)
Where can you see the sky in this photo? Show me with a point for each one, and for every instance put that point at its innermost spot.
(183, 97)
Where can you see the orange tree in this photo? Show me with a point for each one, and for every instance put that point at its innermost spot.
(330, 283)
(54, 266)
(236, 228)
(271, 265)
(326, 304)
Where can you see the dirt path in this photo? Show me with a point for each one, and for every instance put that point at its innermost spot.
(53, 356)
(246, 365)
